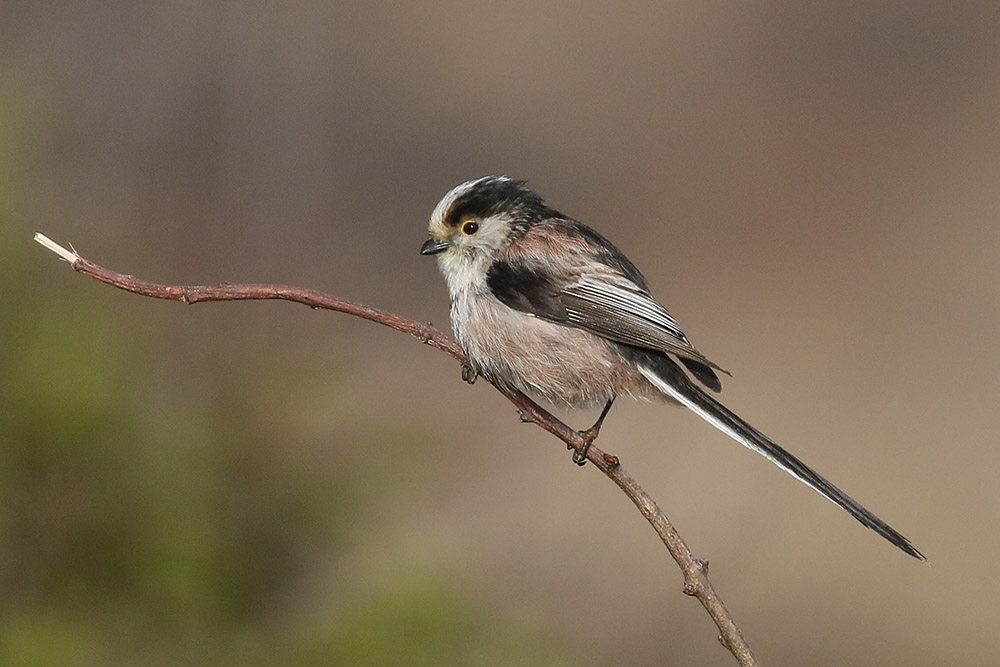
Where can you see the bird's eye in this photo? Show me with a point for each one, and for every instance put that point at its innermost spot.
(470, 227)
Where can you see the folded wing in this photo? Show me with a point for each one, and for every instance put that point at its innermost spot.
(601, 300)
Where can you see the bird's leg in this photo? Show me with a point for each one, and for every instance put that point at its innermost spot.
(580, 455)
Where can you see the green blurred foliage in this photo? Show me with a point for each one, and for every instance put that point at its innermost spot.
(146, 529)
(123, 531)
(414, 623)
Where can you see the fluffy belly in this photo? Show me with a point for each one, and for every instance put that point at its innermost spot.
(562, 365)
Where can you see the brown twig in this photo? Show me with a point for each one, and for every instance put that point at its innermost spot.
(695, 571)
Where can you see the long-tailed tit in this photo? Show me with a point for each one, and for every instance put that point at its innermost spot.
(546, 305)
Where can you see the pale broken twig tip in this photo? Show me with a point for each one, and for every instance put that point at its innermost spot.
(67, 255)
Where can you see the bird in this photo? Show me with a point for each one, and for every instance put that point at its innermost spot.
(544, 304)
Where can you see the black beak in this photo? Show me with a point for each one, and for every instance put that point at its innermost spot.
(432, 247)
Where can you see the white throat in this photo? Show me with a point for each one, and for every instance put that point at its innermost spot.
(465, 273)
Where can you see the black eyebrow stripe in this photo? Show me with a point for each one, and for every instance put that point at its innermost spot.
(498, 196)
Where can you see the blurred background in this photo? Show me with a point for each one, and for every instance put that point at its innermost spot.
(812, 188)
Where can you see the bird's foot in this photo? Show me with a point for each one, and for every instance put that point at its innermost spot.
(580, 453)
(469, 374)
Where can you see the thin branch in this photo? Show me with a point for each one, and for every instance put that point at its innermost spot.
(695, 571)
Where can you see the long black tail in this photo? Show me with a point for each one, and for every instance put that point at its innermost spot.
(668, 377)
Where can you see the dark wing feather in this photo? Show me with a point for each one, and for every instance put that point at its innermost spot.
(704, 373)
(527, 288)
(616, 308)
(603, 301)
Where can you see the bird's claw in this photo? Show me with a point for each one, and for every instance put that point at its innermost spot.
(469, 374)
(580, 455)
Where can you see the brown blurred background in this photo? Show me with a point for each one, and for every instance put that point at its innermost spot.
(812, 188)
